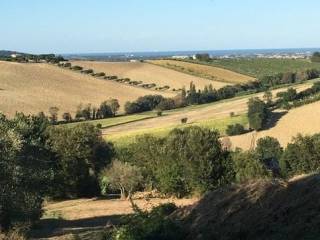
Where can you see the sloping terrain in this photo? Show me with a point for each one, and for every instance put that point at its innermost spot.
(259, 67)
(304, 120)
(31, 88)
(206, 71)
(258, 210)
(148, 73)
(216, 110)
(89, 215)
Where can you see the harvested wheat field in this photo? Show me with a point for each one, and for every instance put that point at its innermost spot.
(31, 88)
(205, 71)
(304, 120)
(217, 110)
(148, 73)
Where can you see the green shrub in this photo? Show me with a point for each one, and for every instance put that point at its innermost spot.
(235, 129)
(247, 166)
(153, 225)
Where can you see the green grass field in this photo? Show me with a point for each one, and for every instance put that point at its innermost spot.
(123, 139)
(110, 122)
(257, 67)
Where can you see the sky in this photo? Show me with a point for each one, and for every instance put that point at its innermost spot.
(92, 26)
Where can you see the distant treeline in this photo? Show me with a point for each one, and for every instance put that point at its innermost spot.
(25, 58)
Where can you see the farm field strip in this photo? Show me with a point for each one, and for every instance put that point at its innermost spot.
(258, 67)
(212, 111)
(31, 88)
(148, 74)
(302, 120)
(205, 71)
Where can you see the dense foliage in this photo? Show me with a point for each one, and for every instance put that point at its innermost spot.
(26, 169)
(258, 113)
(81, 154)
(186, 161)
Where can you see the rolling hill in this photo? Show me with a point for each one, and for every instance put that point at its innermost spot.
(31, 88)
(148, 73)
(205, 71)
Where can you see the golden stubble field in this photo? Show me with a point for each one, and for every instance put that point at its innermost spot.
(304, 120)
(148, 73)
(216, 110)
(211, 72)
(31, 88)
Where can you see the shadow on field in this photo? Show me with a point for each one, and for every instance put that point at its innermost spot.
(258, 210)
(274, 119)
(56, 227)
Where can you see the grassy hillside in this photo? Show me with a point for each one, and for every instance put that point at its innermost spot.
(304, 120)
(31, 88)
(124, 138)
(257, 67)
(257, 210)
(205, 71)
(213, 115)
(148, 73)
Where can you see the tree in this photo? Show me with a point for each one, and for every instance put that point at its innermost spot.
(25, 169)
(53, 114)
(67, 117)
(203, 57)
(269, 152)
(258, 113)
(301, 156)
(123, 177)
(105, 110)
(267, 97)
(247, 166)
(235, 129)
(315, 57)
(81, 154)
(114, 105)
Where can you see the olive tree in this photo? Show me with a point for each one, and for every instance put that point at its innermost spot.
(123, 177)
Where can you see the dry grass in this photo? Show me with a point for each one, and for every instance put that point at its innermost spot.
(218, 110)
(31, 88)
(210, 72)
(148, 73)
(85, 218)
(304, 120)
(92, 208)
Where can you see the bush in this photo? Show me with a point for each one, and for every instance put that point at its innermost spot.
(87, 71)
(247, 166)
(184, 120)
(235, 129)
(301, 156)
(76, 68)
(153, 225)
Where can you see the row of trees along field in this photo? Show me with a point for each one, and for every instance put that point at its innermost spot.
(192, 96)
(259, 111)
(40, 160)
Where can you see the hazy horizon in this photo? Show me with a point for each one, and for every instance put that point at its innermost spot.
(143, 26)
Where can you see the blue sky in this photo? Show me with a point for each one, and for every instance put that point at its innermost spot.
(78, 26)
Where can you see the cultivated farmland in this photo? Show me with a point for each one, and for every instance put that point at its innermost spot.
(304, 120)
(205, 71)
(148, 74)
(31, 88)
(212, 115)
(258, 67)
